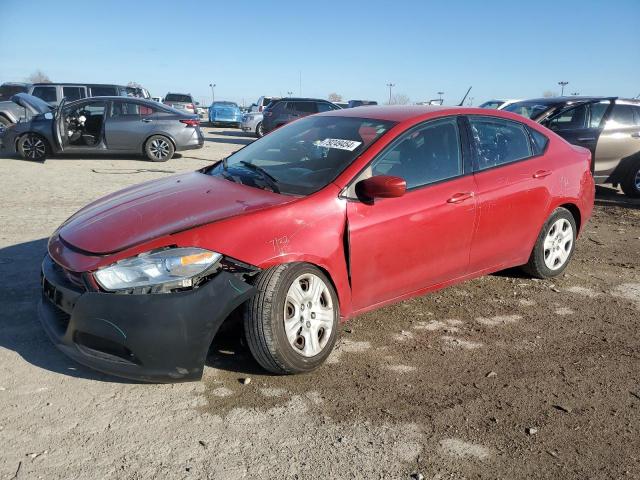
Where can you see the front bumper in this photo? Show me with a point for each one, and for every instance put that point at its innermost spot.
(148, 337)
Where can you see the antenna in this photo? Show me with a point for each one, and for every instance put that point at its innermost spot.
(465, 97)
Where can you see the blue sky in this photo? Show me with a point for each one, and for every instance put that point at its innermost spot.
(505, 49)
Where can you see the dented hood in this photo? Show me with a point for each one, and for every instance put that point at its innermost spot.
(153, 209)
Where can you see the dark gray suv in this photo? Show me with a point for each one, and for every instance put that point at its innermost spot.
(285, 110)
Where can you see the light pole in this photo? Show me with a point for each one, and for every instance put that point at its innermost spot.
(390, 85)
(470, 102)
(289, 94)
(575, 94)
(213, 95)
(440, 95)
(562, 85)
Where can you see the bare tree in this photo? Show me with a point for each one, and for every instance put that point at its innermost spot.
(549, 93)
(334, 97)
(134, 85)
(39, 77)
(399, 99)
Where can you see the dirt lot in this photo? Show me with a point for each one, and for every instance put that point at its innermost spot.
(501, 377)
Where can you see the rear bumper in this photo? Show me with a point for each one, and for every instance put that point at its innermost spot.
(196, 141)
(147, 337)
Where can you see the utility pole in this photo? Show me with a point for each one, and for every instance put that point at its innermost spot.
(390, 85)
(562, 85)
(213, 95)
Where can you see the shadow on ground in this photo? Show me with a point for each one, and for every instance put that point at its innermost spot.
(607, 196)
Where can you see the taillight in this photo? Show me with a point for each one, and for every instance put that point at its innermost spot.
(190, 106)
(191, 122)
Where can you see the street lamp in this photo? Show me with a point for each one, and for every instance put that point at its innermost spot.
(562, 85)
(440, 95)
(390, 85)
(575, 94)
(213, 95)
(289, 94)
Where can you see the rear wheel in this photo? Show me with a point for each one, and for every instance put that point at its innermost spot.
(631, 184)
(291, 324)
(32, 147)
(259, 130)
(554, 246)
(159, 148)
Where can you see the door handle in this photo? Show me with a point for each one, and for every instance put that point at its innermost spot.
(635, 134)
(460, 197)
(542, 173)
(147, 120)
(586, 139)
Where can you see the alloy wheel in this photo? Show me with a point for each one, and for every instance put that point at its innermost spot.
(34, 147)
(159, 148)
(558, 244)
(637, 180)
(308, 315)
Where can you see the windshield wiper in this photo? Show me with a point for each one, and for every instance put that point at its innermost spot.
(266, 175)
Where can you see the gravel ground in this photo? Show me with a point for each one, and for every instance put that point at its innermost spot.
(500, 377)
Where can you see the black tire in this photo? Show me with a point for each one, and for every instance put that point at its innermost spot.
(159, 148)
(32, 146)
(631, 184)
(264, 321)
(537, 267)
(259, 130)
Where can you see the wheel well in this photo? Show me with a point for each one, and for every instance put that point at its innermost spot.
(144, 144)
(2, 115)
(575, 211)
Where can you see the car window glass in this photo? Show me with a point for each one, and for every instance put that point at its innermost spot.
(539, 141)
(122, 109)
(571, 119)
(73, 93)
(597, 111)
(491, 104)
(104, 91)
(624, 116)
(498, 142)
(423, 156)
(324, 107)
(48, 94)
(305, 107)
(528, 109)
(176, 97)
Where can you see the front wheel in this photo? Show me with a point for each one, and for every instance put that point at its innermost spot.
(159, 148)
(631, 184)
(291, 324)
(32, 147)
(554, 246)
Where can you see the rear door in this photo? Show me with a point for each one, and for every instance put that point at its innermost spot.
(128, 125)
(620, 139)
(581, 124)
(513, 194)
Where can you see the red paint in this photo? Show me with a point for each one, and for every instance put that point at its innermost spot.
(382, 186)
(400, 247)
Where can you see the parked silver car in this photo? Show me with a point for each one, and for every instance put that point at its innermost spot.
(101, 125)
(252, 122)
(181, 101)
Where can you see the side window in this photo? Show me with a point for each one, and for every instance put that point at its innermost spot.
(104, 92)
(73, 93)
(126, 109)
(306, 107)
(425, 155)
(498, 142)
(325, 107)
(48, 94)
(624, 116)
(597, 111)
(571, 119)
(539, 141)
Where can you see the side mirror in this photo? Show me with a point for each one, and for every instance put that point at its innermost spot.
(381, 186)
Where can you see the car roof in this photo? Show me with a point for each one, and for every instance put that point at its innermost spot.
(301, 99)
(76, 84)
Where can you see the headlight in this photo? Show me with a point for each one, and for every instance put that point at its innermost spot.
(176, 266)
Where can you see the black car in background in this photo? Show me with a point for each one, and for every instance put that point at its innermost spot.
(285, 110)
(361, 103)
(9, 89)
(608, 126)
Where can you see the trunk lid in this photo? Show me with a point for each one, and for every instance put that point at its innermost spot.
(161, 207)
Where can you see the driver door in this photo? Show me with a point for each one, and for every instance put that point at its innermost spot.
(59, 130)
(402, 245)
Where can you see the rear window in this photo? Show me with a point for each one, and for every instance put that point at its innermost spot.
(176, 97)
(73, 93)
(48, 94)
(528, 109)
(104, 91)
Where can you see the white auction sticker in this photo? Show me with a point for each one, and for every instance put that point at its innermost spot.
(339, 143)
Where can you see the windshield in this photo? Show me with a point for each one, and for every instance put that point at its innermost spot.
(304, 156)
(530, 110)
(492, 104)
(176, 97)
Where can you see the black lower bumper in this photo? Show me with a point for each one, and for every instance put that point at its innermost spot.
(150, 337)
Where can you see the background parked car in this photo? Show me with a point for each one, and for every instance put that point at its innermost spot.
(181, 101)
(53, 93)
(280, 112)
(361, 103)
(102, 125)
(498, 104)
(342, 104)
(608, 127)
(252, 122)
(9, 89)
(225, 113)
(262, 103)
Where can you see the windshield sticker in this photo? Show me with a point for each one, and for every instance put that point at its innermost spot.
(350, 145)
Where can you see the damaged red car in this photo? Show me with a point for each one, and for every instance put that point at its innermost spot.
(326, 218)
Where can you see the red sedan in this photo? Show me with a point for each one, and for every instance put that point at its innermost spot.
(328, 217)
